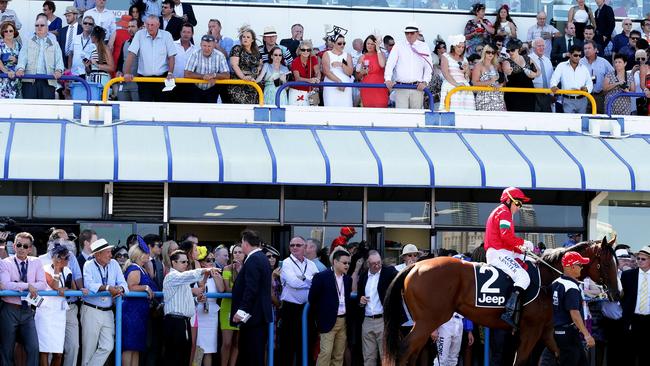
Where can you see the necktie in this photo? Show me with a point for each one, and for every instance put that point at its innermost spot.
(643, 293)
(568, 49)
(68, 41)
(23, 278)
(544, 77)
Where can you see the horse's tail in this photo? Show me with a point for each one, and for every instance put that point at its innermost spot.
(393, 312)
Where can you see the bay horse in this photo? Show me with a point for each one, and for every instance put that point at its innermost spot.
(434, 289)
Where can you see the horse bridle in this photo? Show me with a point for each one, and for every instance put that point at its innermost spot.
(604, 275)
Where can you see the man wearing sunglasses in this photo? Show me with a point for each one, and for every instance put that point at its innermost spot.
(573, 76)
(504, 249)
(636, 307)
(20, 272)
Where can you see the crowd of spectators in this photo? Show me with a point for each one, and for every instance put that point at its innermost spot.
(157, 39)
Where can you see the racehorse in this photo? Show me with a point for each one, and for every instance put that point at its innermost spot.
(434, 289)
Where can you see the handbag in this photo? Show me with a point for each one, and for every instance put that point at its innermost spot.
(312, 96)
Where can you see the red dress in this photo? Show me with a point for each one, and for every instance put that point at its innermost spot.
(374, 98)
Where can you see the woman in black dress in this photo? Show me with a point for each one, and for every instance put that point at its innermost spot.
(524, 71)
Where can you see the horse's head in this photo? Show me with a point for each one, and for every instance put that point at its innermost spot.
(602, 265)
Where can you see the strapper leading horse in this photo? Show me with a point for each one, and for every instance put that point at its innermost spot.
(434, 289)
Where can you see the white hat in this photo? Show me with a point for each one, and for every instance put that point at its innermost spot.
(645, 250)
(410, 248)
(99, 245)
(622, 253)
(269, 31)
(411, 27)
(455, 39)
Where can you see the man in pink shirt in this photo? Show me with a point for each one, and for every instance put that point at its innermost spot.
(20, 273)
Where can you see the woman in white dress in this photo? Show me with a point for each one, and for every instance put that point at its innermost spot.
(207, 313)
(455, 69)
(50, 317)
(337, 67)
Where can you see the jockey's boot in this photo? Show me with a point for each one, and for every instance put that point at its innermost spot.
(513, 308)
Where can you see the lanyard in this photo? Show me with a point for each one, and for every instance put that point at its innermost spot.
(61, 277)
(104, 279)
(20, 273)
(302, 275)
(338, 290)
(83, 46)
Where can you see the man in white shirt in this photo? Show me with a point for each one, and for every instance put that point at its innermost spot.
(544, 31)
(410, 255)
(8, 15)
(184, 48)
(82, 47)
(296, 275)
(411, 63)
(544, 65)
(573, 76)
(104, 18)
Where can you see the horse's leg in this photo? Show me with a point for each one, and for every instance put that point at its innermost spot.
(529, 334)
(549, 340)
(416, 339)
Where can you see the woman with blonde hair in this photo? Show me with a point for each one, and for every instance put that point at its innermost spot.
(207, 312)
(168, 248)
(455, 70)
(230, 333)
(485, 73)
(135, 310)
(305, 68)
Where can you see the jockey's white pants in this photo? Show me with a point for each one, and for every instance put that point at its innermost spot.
(504, 260)
(450, 337)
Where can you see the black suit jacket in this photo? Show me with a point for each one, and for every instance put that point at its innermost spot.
(385, 278)
(605, 24)
(630, 282)
(324, 299)
(560, 47)
(62, 38)
(187, 10)
(252, 290)
(174, 26)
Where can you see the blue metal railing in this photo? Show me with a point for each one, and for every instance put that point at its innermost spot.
(51, 77)
(610, 101)
(278, 92)
(118, 313)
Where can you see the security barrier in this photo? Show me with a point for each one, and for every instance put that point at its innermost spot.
(118, 313)
(610, 101)
(51, 77)
(506, 89)
(142, 79)
(278, 92)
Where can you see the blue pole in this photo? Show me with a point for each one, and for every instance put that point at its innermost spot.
(610, 101)
(51, 77)
(305, 311)
(271, 343)
(486, 346)
(118, 331)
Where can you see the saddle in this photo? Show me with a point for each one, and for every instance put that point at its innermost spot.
(493, 286)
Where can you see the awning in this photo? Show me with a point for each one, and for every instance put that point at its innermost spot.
(320, 155)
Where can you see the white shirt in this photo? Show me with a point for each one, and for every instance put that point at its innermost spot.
(251, 253)
(81, 48)
(181, 58)
(408, 65)
(571, 79)
(340, 290)
(178, 9)
(178, 293)
(538, 82)
(536, 31)
(373, 307)
(400, 267)
(105, 19)
(637, 308)
(294, 288)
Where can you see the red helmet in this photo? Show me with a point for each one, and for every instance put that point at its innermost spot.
(348, 231)
(513, 193)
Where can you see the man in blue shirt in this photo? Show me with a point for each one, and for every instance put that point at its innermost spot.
(568, 320)
(574, 238)
(97, 320)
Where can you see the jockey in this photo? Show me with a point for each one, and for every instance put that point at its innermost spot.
(503, 247)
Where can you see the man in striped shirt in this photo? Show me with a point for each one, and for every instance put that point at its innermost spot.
(208, 64)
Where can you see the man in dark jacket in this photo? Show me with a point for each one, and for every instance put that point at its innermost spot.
(372, 290)
(636, 307)
(605, 23)
(251, 301)
(329, 297)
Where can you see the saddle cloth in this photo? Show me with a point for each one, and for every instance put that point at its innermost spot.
(493, 286)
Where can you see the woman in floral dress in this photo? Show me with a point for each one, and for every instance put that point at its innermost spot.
(619, 81)
(9, 50)
(478, 30)
(246, 63)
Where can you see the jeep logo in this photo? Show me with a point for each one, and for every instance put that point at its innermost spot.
(496, 300)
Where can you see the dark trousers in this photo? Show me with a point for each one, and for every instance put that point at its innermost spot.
(222, 91)
(502, 351)
(210, 95)
(638, 340)
(15, 319)
(290, 333)
(543, 103)
(39, 89)
(252, 344)
(572, 352)
(177, 340)
(152, 92)
(182, 93)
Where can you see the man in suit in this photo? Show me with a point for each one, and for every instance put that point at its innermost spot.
(372, 287)
(65, 37)
(605, 23)
(185, 12)
(329, 297)
(251, 301)
(169, 22)
(636, 307)
(561, 45)
(86, 238)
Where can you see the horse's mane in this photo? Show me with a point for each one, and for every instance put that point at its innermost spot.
(555, 255)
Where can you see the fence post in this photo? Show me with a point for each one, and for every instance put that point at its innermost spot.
(271, 344)
(305, 335)
(118, 331)
(486, 346)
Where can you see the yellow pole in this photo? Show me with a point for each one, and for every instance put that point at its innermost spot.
(140, 79)
(518, 90)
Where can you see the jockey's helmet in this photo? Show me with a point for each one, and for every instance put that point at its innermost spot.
(516, 195)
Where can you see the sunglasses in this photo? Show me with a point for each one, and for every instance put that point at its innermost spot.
(209, 260)
(305, 50)
(517, 203)
(576, 55)
(345, 263)
(8, 31)
(277, 55)
(121, 256)
(340, 43)
(510, 51)
(269, 256)
(295, 245)
(181, 262)
(635, 38)
(642, 259)
(40, 25)
(87, 23)
(25, 246)
(490, 52)
(159, 245)
(67, 257)
(412, 255)
(640, 59)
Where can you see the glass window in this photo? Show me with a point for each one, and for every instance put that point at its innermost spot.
(13, 199)
(323, 204)
(214, 202)
(399, 205)
(114, 232)
(326, 234)
(468, 241)
(68, 200)
(625, 215)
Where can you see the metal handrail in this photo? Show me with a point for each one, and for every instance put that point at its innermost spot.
(610, 100)
(507, 89)
(50, 77)
(278, 92)
(118, 312)
(144, 79)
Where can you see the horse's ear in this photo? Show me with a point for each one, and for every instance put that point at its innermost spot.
(604, 241)
(610, 243)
